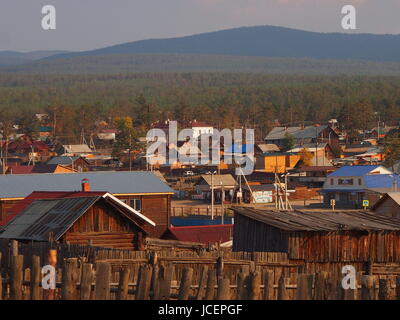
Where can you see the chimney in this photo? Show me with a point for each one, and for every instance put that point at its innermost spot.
(85, 185)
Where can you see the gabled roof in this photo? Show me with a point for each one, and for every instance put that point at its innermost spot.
(310, 132)
(64, 160)
(268, 147)
(115, 182)
(76, 148)
(56, 216)
(353, 171)
(321, 221)
(218, 179)
(395, 196)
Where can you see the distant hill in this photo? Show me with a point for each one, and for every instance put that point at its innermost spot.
(264, 49)
(8, 58)
(265, 41)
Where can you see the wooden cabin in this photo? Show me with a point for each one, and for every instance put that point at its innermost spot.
(388, 205)
(355, 237)
(89, 219)
(143, 191)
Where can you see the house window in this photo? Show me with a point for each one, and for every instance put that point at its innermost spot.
(344, 182)
(136, 204)
(359, 182)
(331, 182)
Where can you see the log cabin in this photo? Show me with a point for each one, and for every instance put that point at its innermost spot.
(143, 191)
(88, 218)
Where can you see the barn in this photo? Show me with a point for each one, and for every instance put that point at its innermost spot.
(90, 218)
(319, 236)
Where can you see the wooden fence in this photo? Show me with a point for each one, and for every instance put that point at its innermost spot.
(157, 280)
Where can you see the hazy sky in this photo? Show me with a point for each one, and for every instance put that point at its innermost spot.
(90, 24)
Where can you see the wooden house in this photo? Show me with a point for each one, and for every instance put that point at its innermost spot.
(355, 237)
(79, 164)
(90, 218)
(143, 191)
(388, 205)
(278, 162)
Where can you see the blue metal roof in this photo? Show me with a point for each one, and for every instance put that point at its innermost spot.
(353, 171)
(376, 181)
(115, 182)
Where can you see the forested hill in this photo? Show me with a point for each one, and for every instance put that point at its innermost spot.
(8, 58)
(266, 41)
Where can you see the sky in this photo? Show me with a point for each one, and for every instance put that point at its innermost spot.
(91, 24)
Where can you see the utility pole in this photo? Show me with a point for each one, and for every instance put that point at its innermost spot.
(130, 150)
(222, 202)
(212, 196)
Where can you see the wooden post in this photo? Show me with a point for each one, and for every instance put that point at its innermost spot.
(321, 290)
(241, 292)
(14, 248)
(398, 288)
(268, 285)
(254, 285)
(144, 282)
(367, 288)
(304, 286)
(1, 287)
(154, 280)
(123, 284)
(165, 277)
(17, 263)
(202, 283)
(384, 289)
(103, 276)
(223, 292)
(282, 293)
(186, 281)
(220, 267)
(36, 275)
(69, 279)
(211, 281)
(86, 281)
(52, 261)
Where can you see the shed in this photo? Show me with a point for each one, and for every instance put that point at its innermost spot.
(208, 235)
(318, 236)
(93, 219)
(388, 205)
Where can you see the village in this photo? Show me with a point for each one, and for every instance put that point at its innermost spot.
(115, 226)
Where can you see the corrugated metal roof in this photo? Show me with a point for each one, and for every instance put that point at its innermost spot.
(218, 179)
(310, 132)
(353, 171)
(43, 217)
(115, 182)
(322, 221)
(62, 160)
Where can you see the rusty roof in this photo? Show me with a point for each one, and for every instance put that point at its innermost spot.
(321, 220)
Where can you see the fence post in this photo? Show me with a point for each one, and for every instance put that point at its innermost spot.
(186, 281)
(398, 288)
(86, 281)
(268, 285)
(321, 287)
(254, 285)
(223, 292)
(1, 287)
(211, 280)
(241, 292)
(123, 284)
(52, 261)
(16, 277)
(36, 274)
(14, 248)
(103, 276)
(69, 279)
(383, 289)
(282, 293)
(367, 288)
(202, 283)
(304, 286)
(143, 283)
(165, 277)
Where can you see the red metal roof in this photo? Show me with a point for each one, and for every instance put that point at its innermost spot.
(18, 169)
(38, 195)
(202, 234)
